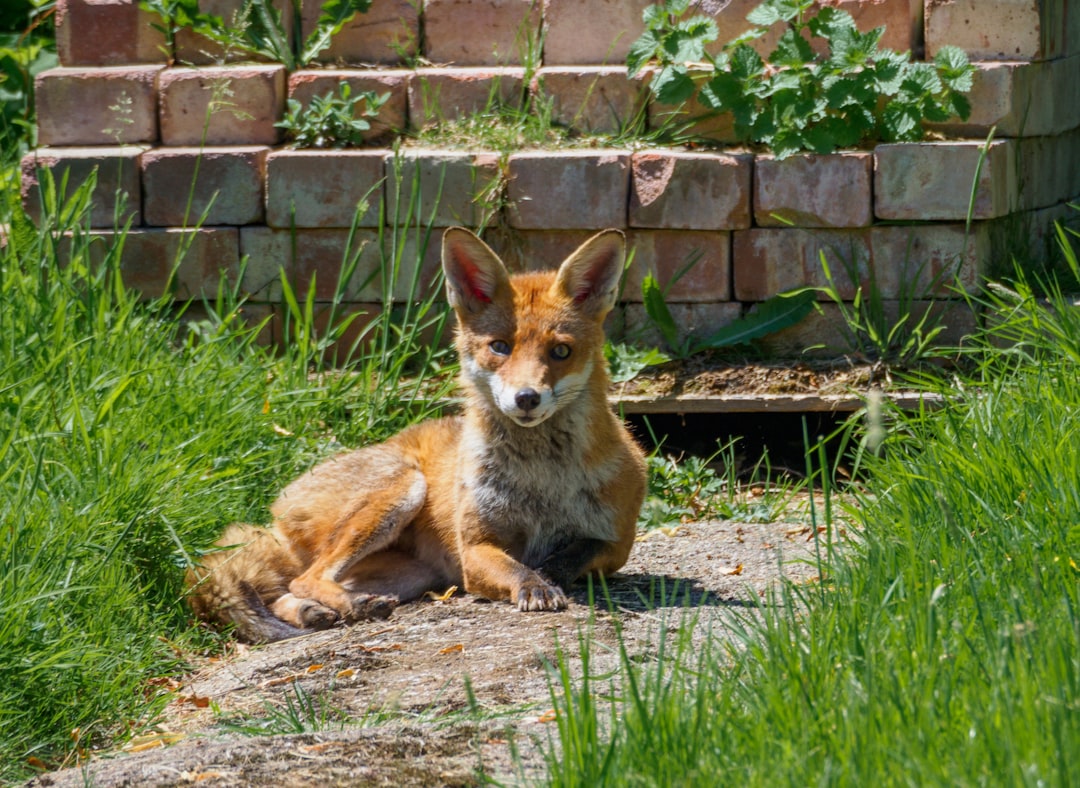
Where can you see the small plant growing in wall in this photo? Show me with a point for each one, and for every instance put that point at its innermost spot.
(332, 121)
(852, 93)
(258, 28)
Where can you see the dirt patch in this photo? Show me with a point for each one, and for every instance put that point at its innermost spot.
(408, 688)
(706, 376)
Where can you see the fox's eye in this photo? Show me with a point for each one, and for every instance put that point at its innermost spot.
(560, 352)
(500, 348)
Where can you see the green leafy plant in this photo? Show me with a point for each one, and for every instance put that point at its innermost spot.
(796, 99)
(774, 314)
(257, 28)
(332, 121)
(300, 713)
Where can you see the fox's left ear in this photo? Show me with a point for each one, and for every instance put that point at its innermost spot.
(590, 276)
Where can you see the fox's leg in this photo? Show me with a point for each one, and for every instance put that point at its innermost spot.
(374, 525)
(491, 572)
(303, 613)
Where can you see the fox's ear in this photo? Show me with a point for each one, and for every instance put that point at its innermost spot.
(590, 276)
(474, 274)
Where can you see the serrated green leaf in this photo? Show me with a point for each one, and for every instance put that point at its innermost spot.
(952, 61)
(642, 51)
(900, 122)
(723, 92)
(922, 78)
(672, 85)
(775, 314)
(791, 50)
(830, 21)
(961, 107)
(746, 63)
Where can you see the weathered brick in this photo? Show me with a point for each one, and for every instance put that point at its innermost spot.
(678, 190)
(109, 33)
(534, 250)
(1003, 29)
(481, 32)
(701, 260)
(591, 32)
(392, 118)
(814, 191)
(575, 189)
(1021, 99)
(196, 49)
(933, 180)
(1047, 169)
(697, 320)
(387, 34)
(235, 105)
(592, 99)
(730, 16)
(117, 172)
(923, 261)
(320, 188)
(225, 183)
(440, 94)
(823, 332)
(768, 261)
(449, 188)
(200, 257)
(97, 106)
(309, 258)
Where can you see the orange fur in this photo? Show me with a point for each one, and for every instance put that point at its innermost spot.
(535, 485)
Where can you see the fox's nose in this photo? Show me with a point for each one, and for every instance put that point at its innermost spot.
(527, 399)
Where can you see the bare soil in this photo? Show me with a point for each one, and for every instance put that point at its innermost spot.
(444, 692)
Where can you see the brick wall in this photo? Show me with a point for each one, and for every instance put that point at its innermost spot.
(148, 120)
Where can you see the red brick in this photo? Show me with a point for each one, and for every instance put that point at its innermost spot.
(97, 106)
(809, 190)
(320, 188)
(697, 320)
(770, 261)
(534, 250)
(309, 256)
(440, 94)
(591, 32)
(107, 33)
(701, 260)
(228, 185)
(196, 49)
(592, 99)
(150, 255)
(678, 190)
(459, 182)
(250, 100)
(932, 181)
(1003, 29)
(566, 190)
(920, 261)
(481, 32)
(117, 177)
(388, 34)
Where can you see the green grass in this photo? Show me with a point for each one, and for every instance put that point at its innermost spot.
(942, 649)
(128, 438)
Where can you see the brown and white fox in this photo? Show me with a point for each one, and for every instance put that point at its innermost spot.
(535, 485)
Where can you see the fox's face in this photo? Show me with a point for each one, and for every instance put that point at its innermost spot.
(531, 343)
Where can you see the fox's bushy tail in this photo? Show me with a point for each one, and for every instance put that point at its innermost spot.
(231, 585)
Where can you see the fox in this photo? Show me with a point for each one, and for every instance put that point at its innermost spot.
(534, 485)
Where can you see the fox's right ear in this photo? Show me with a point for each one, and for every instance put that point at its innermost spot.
(475, 275)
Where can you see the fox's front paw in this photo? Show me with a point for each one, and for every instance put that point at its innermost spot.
(537, 594)
(364, 607)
